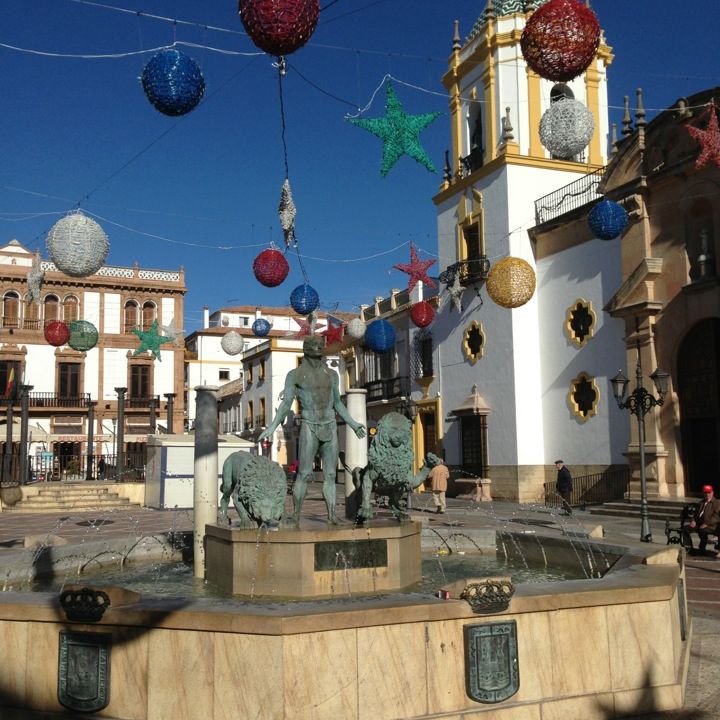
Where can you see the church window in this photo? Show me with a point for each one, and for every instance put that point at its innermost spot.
(580, 322)
(560, 91)
(584, 396)
(474, 342)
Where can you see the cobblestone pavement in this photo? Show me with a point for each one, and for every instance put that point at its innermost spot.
(702, 572)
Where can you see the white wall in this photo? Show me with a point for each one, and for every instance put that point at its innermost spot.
(112, 313)
(115, 374)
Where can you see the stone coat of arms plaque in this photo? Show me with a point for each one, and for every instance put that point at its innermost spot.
(492, 673)
(84, 671)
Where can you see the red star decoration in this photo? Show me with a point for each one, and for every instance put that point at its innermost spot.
(333, 334)
(709, 139)
(417, 269)
(306, 328)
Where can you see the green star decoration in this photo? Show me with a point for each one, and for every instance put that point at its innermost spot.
(151, 340)
(399, 132)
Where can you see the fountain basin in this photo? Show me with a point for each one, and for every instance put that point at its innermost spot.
(595, 649)
(313, 560)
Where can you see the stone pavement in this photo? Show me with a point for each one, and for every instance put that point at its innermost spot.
(702, 573)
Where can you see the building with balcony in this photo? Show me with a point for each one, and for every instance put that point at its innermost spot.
(506, 377)
(405, 379)
(63, 384)
(659, 282)
(250, 382)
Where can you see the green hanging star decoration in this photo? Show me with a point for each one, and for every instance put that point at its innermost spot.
(399, 132)
(151, 340)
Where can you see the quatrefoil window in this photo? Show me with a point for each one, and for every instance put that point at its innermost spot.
(580, 322)
(584, 397)
(474, 342)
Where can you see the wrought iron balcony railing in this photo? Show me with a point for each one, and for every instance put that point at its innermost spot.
(50, 400)
(387, 389)
(470, 272)
(581, 192)
(141, 403)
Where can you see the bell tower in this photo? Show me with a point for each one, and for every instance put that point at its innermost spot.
(495, 170)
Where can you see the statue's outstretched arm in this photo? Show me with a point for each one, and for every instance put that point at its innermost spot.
(283, 408)
(342, 411)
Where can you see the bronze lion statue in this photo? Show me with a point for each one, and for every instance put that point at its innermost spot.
(390, 467)
(257, 487)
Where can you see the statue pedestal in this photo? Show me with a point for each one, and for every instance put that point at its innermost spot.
(314, 560)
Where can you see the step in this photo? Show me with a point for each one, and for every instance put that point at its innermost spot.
(73, 493)
(124, 504)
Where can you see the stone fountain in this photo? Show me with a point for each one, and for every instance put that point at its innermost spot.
(593, 648)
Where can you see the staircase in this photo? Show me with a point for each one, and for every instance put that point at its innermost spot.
(71, 497)
(657, 509)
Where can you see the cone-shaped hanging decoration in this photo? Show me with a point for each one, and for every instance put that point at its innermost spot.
(287, 212)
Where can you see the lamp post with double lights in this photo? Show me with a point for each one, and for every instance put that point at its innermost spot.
(639, 403)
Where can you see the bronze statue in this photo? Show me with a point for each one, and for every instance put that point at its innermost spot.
(256, 485)
(316, 387)
(390, 467)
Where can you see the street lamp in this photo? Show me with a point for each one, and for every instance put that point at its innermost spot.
(639, 403)
(266, 444)
(409, 408)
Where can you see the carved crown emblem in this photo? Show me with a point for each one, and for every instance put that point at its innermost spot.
(488, 596)
(84, 605)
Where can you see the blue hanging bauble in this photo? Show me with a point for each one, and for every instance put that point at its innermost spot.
(607, 220)
(173, 82)
(380, 336)
(304, 299)
(261, 327)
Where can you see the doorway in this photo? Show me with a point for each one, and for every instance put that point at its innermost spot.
(698, 390)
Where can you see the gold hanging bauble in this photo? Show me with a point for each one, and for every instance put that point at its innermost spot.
(511, 282)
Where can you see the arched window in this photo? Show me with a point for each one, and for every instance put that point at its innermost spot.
(71, 309)
(148, 314)
(561, 91)
(51, 309)
(11, 309)
(131, 314)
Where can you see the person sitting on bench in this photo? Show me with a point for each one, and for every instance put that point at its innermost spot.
(705, 519)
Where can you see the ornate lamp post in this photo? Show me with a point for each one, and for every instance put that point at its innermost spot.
(639, 403)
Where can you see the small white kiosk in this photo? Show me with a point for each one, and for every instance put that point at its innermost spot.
(169, 472)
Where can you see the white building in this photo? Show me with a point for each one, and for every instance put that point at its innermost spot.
(66, 382)
(510, 378)
(252, 381)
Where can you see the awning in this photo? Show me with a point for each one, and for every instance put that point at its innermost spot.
(474, 404)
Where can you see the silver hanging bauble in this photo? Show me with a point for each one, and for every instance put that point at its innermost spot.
(77, 245)
(232, 343)
(356, 328)
(566, 128)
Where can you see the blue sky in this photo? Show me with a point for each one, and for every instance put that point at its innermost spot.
(181, 191)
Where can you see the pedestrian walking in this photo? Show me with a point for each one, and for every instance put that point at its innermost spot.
(563, 485)
(438, 478)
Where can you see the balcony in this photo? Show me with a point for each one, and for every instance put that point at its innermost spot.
(581, 192)
(55, 400)
(387, 389)
(141, 403)
(248, 425)
(471, 272)
(472, 162)
(259, 421)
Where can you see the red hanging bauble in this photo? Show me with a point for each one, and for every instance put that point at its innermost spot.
(270, 267)
(560, 39)
(279, 27)
(422, 313)
(57, 333)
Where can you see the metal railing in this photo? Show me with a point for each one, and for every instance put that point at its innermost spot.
(51, 399)
(582, 191)
(592, 489)
(387, 389)
(143, 403)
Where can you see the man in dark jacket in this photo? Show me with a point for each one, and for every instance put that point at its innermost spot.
(705, 519)
(563, 484)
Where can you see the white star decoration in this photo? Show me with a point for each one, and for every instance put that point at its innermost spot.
(456, 290)
(34, 281)
(171, 331)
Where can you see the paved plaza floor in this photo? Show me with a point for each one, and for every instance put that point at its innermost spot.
(702, 573)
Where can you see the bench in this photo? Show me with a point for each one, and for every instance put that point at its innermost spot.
(674, 532)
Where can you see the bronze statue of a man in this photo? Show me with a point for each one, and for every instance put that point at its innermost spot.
(317, 389)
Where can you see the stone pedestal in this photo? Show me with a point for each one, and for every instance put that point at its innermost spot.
(485, 488)
(314, 560)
